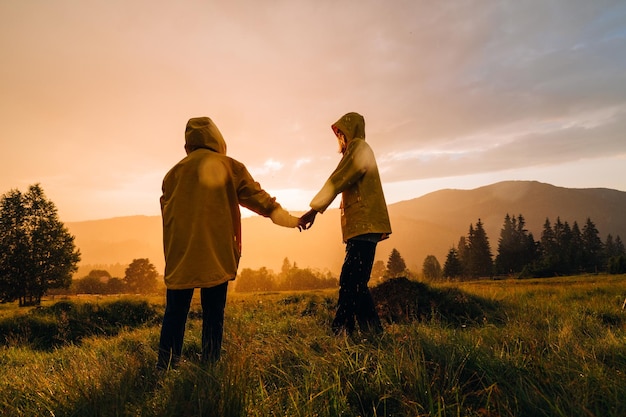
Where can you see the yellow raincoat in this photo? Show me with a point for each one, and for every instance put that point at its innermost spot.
(363, 207)
(200, 209)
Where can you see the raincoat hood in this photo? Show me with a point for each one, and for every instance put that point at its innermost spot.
(352, 125)
(201, 132)
(356, 178)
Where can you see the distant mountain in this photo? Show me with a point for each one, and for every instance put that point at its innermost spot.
(428, 225)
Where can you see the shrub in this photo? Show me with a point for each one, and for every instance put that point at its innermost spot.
(400, 300)
(68, 322)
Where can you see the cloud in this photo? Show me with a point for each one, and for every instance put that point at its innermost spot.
(269, 168)
(588, 136)
(100, 93)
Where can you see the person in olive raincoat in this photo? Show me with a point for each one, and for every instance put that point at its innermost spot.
(364, 222)
(202, 235)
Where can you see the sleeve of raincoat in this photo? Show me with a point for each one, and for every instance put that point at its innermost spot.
(253, 197)
(281, 217)
(352, 166)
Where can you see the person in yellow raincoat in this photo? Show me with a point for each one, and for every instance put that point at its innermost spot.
(202, 235)
(364, 222)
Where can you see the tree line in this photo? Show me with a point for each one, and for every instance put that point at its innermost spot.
(140, 277)
(291, 277)
(561, 250)
(38, 256)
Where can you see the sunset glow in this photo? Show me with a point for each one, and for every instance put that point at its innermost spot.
(94, 96)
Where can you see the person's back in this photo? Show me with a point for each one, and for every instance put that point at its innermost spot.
(201, 220)
(202, 234)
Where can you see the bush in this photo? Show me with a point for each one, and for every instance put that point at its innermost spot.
(68, 322)
(400, 300)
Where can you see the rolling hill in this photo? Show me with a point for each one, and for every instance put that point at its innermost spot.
(428, 225)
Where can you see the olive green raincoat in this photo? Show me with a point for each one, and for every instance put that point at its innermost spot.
(200, 209)
(363, 207)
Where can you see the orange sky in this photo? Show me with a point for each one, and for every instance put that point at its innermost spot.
(94, 95)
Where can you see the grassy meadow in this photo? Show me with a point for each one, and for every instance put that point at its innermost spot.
(550, 347)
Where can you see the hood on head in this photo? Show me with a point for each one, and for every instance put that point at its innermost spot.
(201, 132)
(352, 125)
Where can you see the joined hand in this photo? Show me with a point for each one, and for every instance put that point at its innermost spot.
(306, 221)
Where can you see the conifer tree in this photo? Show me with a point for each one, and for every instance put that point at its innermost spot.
(506, 257)
(616, 256)
(592, 247)
(619, 245)
(378, 271)
(610, 249)
(611, 252)
(516, 246)
(463, 255)
(452, 268)
(575, 249)
(480, 257)
(395, 264)
(550, 249)
(563, 234)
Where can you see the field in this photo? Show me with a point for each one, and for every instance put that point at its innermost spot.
(551, 347)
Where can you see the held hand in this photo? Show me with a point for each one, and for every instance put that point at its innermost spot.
(306, 221)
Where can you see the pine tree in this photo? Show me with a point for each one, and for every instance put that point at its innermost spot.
(616, 262)
(550, 248)
(507, 253)
(480, 257)
(516, 246)
(575, 249)
(610, 249)
(452, 268)
(527, 244)
(563, 234)
(463, 255)
(619, 245)
(378, 271)
(592, 247)
(395, 264)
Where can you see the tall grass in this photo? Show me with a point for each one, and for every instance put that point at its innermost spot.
(558, 348)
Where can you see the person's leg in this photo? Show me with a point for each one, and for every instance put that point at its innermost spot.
(346, 305)
(173, 328)
(366, 314)
(213, 304)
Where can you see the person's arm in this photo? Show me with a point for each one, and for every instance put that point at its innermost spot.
(352, 166)
(281, 217)
(253, 197)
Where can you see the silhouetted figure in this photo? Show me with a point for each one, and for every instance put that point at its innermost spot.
(364, 222)
(202, 235)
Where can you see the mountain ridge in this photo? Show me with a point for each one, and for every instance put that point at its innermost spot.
(427, 225)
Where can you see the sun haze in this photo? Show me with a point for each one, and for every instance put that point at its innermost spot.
(95, 95)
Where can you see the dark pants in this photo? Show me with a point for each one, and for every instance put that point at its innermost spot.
(355, 299)
(177, 306)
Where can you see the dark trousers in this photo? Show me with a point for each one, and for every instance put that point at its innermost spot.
(355, 299)
(177, 306)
